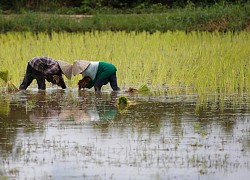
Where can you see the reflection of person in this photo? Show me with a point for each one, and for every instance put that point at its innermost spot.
(107, 113)
(41, 68)
(95, 74)
(95, 113)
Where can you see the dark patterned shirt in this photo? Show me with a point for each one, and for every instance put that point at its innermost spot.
(46, 65)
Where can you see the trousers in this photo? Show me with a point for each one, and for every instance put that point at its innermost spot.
(30, 75)
(111, 79)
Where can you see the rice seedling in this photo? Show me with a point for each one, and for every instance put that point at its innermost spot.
(4, 75)
(144, 89)
(177, 62)
(4, 107)
(122, 102)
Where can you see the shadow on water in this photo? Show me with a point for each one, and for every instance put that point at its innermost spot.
(61, 134)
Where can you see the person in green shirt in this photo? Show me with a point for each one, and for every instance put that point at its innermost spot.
(95, 74)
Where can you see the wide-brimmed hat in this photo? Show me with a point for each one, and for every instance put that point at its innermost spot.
(66, 68)
(79, 66)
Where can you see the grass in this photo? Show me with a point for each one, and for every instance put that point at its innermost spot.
(216, 18)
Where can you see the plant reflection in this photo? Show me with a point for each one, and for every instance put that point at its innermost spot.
(173, 126)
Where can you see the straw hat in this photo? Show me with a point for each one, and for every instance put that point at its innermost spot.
(66, 68)
(79, 66)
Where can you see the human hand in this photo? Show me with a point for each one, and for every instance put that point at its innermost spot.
(56, 79)
(83, 82)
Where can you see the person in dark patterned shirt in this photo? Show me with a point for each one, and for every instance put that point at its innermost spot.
(41, 68)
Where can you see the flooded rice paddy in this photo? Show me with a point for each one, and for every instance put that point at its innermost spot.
(82, 135)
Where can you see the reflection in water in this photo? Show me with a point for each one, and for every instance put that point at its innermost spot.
(66, 134)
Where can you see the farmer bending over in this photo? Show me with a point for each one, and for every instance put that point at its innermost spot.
(95, 74)
(41, 68)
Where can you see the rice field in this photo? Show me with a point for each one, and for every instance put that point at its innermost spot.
(176, 63)
(163, 133)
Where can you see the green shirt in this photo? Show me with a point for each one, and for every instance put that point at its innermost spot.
(104, 71)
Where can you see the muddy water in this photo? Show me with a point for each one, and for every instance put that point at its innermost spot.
(70, 135)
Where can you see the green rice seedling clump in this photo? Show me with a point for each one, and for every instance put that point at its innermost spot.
(122, 101)
(4, 75)
(144, 88)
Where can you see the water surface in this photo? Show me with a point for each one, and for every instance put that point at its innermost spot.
(61, 134)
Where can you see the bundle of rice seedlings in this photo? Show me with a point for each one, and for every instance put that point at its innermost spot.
(4, 75)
